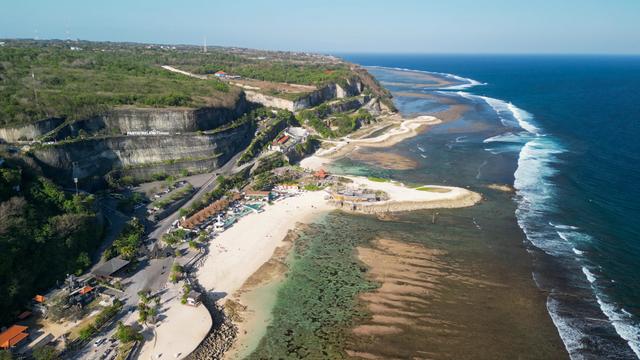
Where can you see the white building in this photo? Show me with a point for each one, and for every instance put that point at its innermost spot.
(300, 134)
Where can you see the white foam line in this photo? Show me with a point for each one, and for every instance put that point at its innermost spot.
(590, 277)
(468, 82)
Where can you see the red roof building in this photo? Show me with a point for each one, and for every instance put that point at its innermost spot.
(86, 290)
(283, 139)
(13, 336)
(321, 174)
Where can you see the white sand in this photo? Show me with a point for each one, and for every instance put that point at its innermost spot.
(402, 198)
(239, 251)
(180, 330)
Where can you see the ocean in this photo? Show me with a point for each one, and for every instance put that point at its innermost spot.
(546, 270)
(579, 168)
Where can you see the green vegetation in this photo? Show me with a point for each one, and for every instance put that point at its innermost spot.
(46, 352)
(312, 119)
(278, 71)
(147, 310)
(433, 189)
(173, 197)
(378, 179)
(127, 203)
(175, 237)
(276, 123)
(186, 289)
(127, 334)
(101, 319)
(44, 235)
(5, 355)
(48, 79)
(176, 273)
(318, 302)
(322, 120)
(127, 244)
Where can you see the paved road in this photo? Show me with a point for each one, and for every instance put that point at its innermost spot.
(152, 274)
(229, 168)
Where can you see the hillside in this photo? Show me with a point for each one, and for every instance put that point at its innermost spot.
(69, 79)
(45, 234)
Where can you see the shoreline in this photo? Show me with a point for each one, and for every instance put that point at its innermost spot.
(397, 130)
(403, 198)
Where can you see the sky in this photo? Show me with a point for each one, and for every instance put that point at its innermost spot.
(347, 26)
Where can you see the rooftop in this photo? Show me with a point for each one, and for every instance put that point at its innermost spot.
(12, 336)
(110, 267)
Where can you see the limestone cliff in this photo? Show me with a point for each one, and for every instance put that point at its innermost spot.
(90, 159)
(350, 87)
(171, 120)
(30, 131)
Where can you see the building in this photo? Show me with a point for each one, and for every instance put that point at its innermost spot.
(288, 188)
(13, 336)
(194, 298)
(353, 196)
(280, 144)
(321, 174)
(220, 74)
(258, 195)
(211, 210)
(109, 269)
(300, 134)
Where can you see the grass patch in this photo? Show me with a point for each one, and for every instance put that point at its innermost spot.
(433, 189)
(378, 179)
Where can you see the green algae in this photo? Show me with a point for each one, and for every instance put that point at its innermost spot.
(318, 301)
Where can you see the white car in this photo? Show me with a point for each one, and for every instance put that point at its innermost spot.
(99, 342)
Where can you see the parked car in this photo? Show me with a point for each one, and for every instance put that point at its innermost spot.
(99, 342)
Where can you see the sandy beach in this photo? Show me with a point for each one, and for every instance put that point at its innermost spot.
(402, 198)
(242, 249)
(180, 330)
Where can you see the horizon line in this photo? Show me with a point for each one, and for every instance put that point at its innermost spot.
(340, 52)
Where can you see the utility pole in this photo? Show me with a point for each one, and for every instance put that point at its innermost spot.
(75, 177)
(35, 93)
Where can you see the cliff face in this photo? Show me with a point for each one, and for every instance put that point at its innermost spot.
(30, 131)
(351, 87)
(95, 157)
(124, 120)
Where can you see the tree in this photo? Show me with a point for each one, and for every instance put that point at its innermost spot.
(127, 334)
(46, 353)
(5, 355)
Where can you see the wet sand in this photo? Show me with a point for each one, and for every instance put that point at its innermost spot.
(385, 160)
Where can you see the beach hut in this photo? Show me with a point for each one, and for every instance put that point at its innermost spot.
(194, 298)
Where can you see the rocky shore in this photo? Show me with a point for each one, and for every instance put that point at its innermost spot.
(221, 336)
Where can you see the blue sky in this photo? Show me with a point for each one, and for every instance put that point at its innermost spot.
(413, 26)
